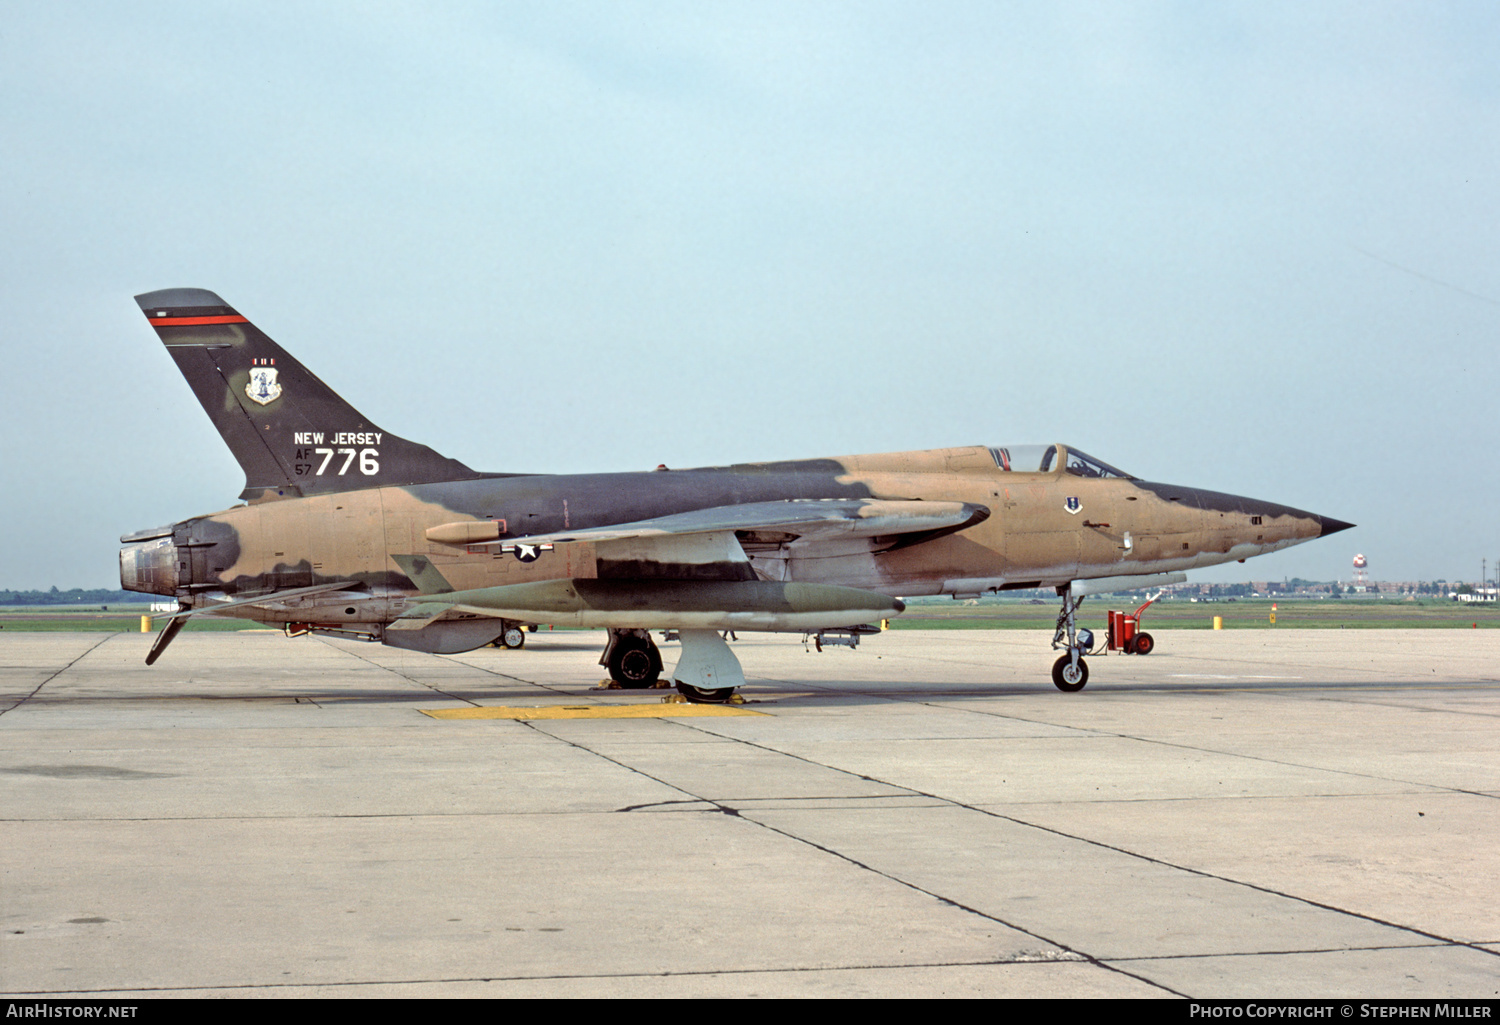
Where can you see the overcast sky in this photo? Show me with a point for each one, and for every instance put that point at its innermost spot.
(1249, 247)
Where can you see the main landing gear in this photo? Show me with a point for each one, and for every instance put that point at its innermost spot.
(1071, 672)
(707, 672)
(632, 659)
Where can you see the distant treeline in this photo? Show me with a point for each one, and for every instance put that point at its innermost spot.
(77, 596)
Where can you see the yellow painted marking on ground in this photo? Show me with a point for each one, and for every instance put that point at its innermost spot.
(657, 711)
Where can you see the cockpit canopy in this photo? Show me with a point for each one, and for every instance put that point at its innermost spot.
(1042, 458)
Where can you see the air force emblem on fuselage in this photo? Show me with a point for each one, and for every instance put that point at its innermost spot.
(263, 387)
(1073, 505)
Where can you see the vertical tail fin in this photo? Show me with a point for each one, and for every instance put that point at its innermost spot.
(291, 433)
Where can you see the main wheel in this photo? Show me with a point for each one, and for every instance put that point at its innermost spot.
(1066, 677)
(1144, 644)
(631, 664)
(513, 637)
(698, 695)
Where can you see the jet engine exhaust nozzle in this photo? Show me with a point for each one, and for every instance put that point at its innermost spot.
(149, 566)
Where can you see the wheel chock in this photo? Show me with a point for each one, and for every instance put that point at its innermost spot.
(682, 699)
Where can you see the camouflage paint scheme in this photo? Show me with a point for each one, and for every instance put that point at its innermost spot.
(399, 543)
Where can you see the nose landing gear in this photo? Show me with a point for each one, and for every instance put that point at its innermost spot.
(1070, 672)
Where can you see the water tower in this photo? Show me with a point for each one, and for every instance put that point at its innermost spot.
(1361, 582)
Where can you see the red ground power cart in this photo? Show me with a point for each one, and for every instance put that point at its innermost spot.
(1125, 633)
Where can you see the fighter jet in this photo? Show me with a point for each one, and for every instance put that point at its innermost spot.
(348, 530)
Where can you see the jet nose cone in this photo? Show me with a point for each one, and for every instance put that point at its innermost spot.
(1331, 526)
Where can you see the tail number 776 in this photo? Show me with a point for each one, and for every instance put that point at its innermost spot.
(369, 463)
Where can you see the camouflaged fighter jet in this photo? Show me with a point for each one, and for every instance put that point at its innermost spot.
(352, 531)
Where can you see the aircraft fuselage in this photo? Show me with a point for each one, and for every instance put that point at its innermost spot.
(1043, 529)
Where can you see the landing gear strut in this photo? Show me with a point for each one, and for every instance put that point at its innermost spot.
(632, 659)
(1071, 672)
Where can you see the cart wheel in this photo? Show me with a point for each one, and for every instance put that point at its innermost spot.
(1144, 644)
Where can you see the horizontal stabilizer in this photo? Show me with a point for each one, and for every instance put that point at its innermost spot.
(272, 598)
(164, 638)
(177, 620)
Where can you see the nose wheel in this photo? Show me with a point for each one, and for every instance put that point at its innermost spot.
(1068, 675)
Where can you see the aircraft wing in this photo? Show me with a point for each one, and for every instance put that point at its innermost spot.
(688, 570)
(805, 519)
